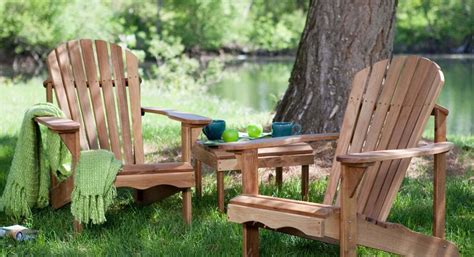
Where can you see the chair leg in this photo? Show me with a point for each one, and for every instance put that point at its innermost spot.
(279, 176)
(304, 182)
(77, 227)
(198, 176)
(187, 206)
(220, 190)
(250, 241)
(350, 179)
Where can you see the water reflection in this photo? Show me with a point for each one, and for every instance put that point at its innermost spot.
(259, 84)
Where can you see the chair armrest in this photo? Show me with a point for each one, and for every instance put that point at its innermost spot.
(385, 155)
(186, 118)
(277, 141)
(439, 108)
(59, 125)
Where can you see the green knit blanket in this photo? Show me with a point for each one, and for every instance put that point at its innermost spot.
(94, 189)
(29, 177)
(39, 154)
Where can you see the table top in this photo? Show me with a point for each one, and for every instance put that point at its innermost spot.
(292, 149)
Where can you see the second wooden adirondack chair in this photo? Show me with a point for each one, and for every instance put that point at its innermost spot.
(388, 108)
(97, 85)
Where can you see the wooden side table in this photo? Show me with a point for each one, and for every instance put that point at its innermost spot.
(277, 157)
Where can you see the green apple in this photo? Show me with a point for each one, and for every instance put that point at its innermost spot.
(254, 130)
(230, 135)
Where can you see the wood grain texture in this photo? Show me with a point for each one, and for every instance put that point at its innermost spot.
(350, 179)
(383, 155)
(55, 75)
(135, 107)
(145, 181)
(59, 124)
(183, 117)
(122, 101)
(198, 175)
(305, 182)
(250, 242)
(220, 190)
(187, 206)
(60, 194)
(135, 169)
(422, 109)
(83, 93)
(90, 68)
(275, 219)
(439, 177)
(154, 194)
(71, 95)
(284, 205)
(279, 176)
(277, 141)
(390, 120)
(378, 235)
(109, 96)
(348, 123)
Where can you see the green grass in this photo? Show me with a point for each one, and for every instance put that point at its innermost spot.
(158, 230)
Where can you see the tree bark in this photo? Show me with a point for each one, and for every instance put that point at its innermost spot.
(340, 38)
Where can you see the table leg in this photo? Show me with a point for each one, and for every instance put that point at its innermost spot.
(198, 177)
(279, 176)
(304, 182)
(220, 190)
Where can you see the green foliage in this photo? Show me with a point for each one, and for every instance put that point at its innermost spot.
(277, 35)
(175, 70)
(36, 26)
(433, 25)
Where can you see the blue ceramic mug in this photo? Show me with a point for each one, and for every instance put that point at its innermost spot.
(214, 130)
(283, 129)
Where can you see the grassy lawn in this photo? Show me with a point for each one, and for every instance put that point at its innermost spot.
(158, 229)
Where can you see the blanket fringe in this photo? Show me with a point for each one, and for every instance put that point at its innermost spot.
(14, 202)
(91, 208)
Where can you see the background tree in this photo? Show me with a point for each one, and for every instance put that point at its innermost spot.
(339, 39)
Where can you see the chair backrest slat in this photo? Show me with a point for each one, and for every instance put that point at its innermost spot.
(389, 168)
(350, 117)
(95, 92)
(134, 90)
(119, 78)
(109, 96)
(411, 132)
(397, 102)
(83, 93)
(383, 208)
(370, 99)
(91, 84)
(391, 97)
(56, 77)
(68, 83)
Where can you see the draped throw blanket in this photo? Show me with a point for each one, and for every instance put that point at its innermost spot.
(94, 189)
(40, 153)
(29, 177)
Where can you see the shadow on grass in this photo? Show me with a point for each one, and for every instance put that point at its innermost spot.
(7, 148)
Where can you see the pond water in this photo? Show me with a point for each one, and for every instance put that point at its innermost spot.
(259, 85)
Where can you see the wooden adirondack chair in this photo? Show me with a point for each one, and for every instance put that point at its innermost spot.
(103, 111)
(388, 108)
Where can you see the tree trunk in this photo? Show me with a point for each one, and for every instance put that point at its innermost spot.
(340, 38)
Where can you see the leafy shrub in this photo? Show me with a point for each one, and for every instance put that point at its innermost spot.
(174, 70)
(35, 26)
